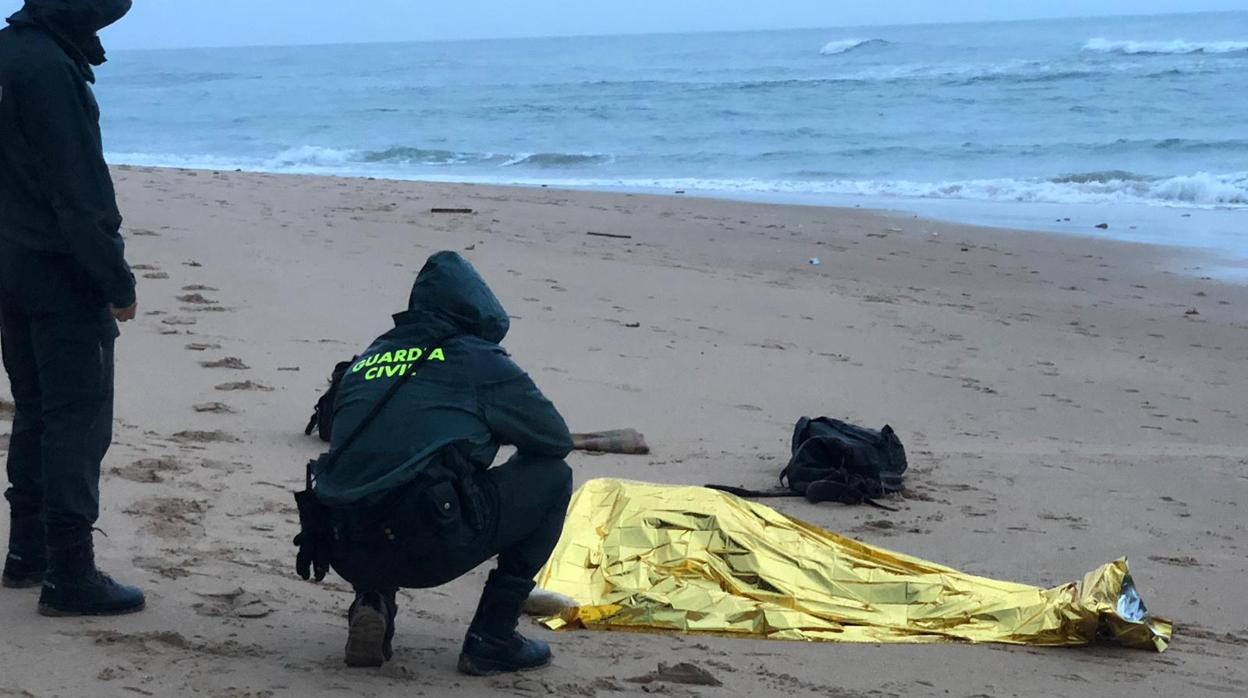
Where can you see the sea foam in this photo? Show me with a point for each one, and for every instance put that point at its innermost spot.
(1172, 47)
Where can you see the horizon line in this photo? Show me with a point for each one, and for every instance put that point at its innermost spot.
(669, 33)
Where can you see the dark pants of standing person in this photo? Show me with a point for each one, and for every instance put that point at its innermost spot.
(57, 335)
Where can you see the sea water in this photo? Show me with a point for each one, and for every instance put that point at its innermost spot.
(1138, 122)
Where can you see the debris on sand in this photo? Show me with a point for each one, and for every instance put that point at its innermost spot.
(214, 407)
(682, 673)
(450, 210)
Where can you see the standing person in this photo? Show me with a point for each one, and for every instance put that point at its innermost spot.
(412, 499)
(64, 285)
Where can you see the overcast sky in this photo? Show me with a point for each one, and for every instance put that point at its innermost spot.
(185, 23)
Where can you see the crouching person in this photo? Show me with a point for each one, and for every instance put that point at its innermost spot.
(406, 496)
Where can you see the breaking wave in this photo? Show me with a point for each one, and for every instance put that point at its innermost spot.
(557, 160)
(390, 161)
(835, 48)
(1174, 47)
(1200, 190)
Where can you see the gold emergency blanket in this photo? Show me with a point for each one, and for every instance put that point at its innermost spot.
(688, 559)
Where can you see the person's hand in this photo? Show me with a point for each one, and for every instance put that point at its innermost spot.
(125, 314)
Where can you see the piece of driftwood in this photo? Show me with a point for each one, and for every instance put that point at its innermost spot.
(616, 236)
(628, 441)
(450, 210)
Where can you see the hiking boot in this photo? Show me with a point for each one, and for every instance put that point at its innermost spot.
(370, 629)
(27, 557)
(483, 655)
(73, 586)
(492, 645)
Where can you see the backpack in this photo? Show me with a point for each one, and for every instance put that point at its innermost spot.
(839, 462)
(322, 420)
(843, 462)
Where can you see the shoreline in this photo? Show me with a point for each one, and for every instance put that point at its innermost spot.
(1201, 258)
(1059, 405)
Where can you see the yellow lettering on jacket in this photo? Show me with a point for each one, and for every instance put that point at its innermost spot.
(395, 363)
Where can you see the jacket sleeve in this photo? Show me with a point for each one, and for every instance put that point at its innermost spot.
(519, 415)
(61, 122)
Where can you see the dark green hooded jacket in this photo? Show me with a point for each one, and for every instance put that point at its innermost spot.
(56, 194)
(467, 390)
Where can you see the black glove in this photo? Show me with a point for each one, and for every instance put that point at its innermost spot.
(314, 536)
(313, 557)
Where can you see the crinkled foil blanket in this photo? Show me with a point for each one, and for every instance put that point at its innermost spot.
(687, 559)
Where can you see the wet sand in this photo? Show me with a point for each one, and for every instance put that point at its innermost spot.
(1063, 401)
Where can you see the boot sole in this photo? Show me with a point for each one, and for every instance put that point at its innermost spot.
(471, 667)
(51, 612)
(366, 638)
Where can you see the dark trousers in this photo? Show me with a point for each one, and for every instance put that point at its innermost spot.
(523, 503)
(57, 337)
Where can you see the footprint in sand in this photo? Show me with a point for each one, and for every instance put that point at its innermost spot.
(224, 467)
(195, 346)
(198, 287)
(150, 470)
(175, 320)
(245, 385)
(214, 408)
(196, 299)
(204, 437)
(230, 362)
(170, 517)
(235, 602)
(169, 569)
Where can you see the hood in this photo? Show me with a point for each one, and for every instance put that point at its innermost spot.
(74, 23)
(449, 290)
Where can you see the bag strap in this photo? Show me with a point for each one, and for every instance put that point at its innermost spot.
(331, 458)
(744, 492)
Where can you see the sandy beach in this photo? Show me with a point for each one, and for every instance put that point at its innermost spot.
(1064, 402)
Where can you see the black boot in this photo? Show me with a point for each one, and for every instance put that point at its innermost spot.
(74, 587)
(493, 646)
(370, 628)
(24, 566)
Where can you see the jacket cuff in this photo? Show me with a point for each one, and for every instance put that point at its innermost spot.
(123, 298)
